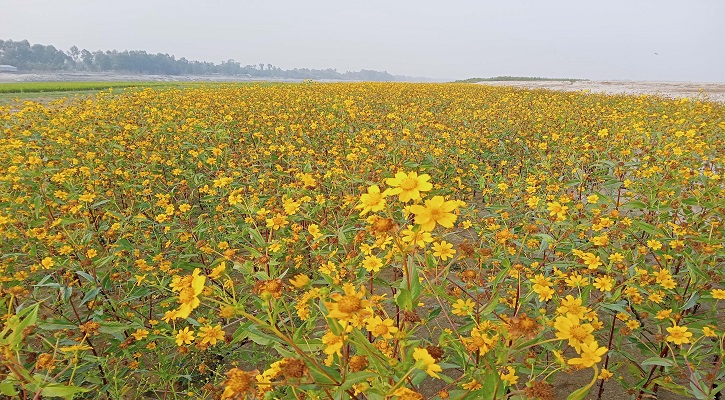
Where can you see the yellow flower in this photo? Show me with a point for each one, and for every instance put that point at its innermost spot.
(217, 271)
(291, 206)
(333, 345)
(210, 334)
(379, 327)
(591, 260)
(408, 186)
(605, 374)
(373, 200)
(87, 197)
(140, 278)
(277, 222)
(479, 342)
(590, 354)
(372, 263)
(314, 230)
(602, 240)
(708, 332)
(404, 393)
(300, 280)
(140, 334)
(184, 336)
(47, 262)
(74, 348)
(718, 294)
(509, 377)
(678, 335)
(545, 293)
(556, 209)
(463, 308)
(264, 380)
(189, 288)
(572, 306)
(472, 385)
(350, 306)
(436, 211)
(425, 362)
(569, 327)
(604, 283)
(663, 314)
(237, 384)
(419, 238)
(443, 249)
(575, 280)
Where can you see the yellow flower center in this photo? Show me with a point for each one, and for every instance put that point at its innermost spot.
(436, 214)
(380, 329)
(578, 332)
(186, 295)
(348, 304)
(408, 184)
(373, 199)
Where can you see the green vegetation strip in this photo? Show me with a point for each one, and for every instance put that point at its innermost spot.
(34, 87)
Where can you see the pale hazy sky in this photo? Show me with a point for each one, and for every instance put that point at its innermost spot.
(608, 39)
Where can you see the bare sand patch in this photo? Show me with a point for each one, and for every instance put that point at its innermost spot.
(695, 90)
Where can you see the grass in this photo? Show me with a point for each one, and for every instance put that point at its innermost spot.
(38, 87)
(45, 92)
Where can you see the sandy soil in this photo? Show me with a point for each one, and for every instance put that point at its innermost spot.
(694, 90)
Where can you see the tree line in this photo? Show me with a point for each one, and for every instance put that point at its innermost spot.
(38, 57)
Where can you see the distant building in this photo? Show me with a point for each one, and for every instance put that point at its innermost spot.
(8, 68)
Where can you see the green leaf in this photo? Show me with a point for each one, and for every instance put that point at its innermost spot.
(257, 237)
(356, 377)
(325, 375)
(124, 244)
(114, 328)
(100, 203)
(8, 389)
(488, 309)
(67, 392)
(663, 362)
(580, 393)
(418, 378)
(675, 388)
(92, 294)
(241, 332)
(649, 228)
(634, 205)
(29, 317)
(87, 276)
(691, 301)
(434, 313)
(490, 384)
(404, 300)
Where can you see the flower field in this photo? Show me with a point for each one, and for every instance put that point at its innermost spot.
(363, 241)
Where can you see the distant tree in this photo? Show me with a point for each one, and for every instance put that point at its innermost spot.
(46, 57)
(87, 58)
(74, 53)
